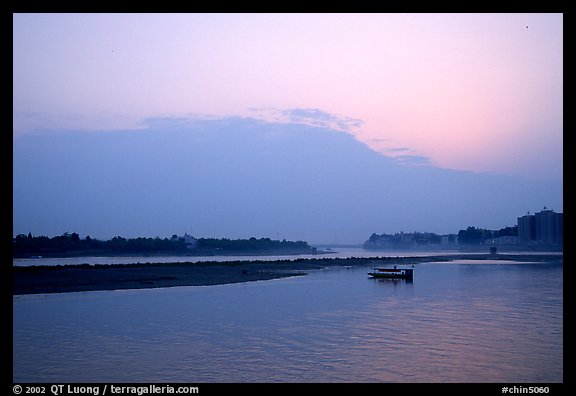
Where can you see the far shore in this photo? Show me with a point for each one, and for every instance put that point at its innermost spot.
(87, 277)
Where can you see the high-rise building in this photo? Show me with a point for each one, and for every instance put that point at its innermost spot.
(544, 227)
(526, 229)
(549, 227)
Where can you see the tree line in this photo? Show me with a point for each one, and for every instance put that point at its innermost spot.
(252, 244)
(71, 244)
(477, 236)
(27, 245)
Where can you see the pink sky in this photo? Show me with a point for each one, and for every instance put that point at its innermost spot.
(481, 92)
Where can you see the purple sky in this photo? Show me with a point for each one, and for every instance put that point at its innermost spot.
(481, 93)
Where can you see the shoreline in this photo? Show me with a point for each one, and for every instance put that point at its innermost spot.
(96, 277)
(166, 253)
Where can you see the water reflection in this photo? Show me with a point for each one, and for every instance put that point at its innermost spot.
(391, 281)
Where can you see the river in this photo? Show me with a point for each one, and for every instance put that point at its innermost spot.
(464, 321)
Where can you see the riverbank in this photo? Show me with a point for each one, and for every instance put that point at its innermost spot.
(167, 253)
(86, 277)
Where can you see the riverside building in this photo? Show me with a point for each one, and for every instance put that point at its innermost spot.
(545, 227)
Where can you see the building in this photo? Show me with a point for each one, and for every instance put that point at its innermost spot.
(545, 227)
(549, 227)
(502, 241)
(189, 241)
(526, 229)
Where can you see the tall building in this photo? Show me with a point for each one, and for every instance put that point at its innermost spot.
(544, 227)
(526, 229)
(549, 227)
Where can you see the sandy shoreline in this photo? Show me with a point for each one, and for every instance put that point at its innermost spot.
(85, 277)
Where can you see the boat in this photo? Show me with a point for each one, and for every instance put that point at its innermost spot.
(393, 273)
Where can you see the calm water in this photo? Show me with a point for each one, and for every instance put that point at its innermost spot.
(337, 253)
(457, 322)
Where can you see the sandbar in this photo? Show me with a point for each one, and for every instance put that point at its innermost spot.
(88, 277)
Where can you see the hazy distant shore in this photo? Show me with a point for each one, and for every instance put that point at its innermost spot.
(85, 277)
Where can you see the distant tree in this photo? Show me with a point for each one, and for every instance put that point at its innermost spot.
(507, 231)
(471, 236)
(23, 245)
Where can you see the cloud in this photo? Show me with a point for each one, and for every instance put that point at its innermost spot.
(34, 122)
(413, 160)
(307, 116)
(227, 178)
